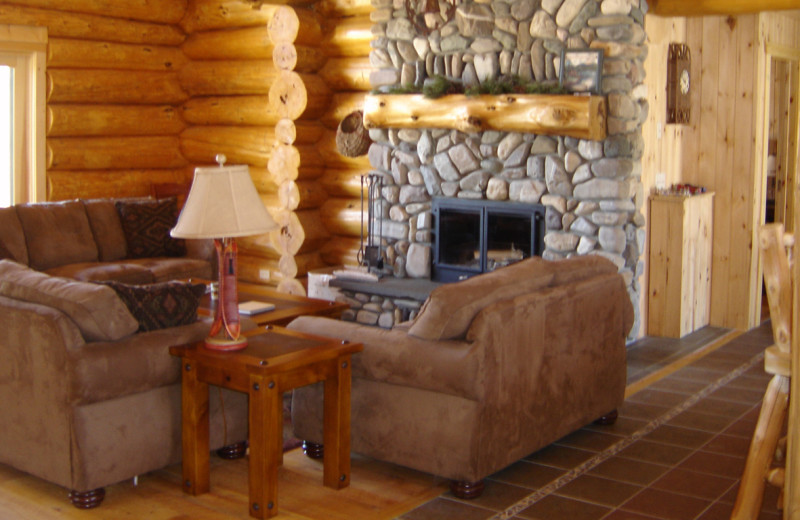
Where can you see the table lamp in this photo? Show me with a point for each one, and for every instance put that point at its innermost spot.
(223, 204)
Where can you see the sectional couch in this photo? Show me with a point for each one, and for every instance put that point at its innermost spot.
(89, 395)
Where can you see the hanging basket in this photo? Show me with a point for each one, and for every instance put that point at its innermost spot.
(352, 139)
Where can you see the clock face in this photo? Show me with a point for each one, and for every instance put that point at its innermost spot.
(684, 81)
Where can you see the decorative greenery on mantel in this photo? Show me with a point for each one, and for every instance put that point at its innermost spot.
(439, 86)
(583, 117)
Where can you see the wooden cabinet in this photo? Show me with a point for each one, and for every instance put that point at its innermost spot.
(680, 264)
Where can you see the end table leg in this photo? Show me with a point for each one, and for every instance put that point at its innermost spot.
(336, 434)
(266, 418)
(194, 432)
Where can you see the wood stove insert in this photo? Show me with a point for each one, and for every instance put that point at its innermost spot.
(476, 236)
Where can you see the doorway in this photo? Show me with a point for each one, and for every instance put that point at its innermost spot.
(782, 139)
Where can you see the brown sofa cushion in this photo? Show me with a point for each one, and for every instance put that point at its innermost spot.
(106, 229)
(57, 233)
(160, 305)
(11, 235)
(96, 310)
(103, 271)
(147, 224)
(450, 308)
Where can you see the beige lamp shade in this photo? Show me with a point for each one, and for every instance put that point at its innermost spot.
(223, 202)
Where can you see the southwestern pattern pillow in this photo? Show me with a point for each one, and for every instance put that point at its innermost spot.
(146, 224)
(160, 305)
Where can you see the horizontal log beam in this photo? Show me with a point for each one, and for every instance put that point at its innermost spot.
(203, 15)
(347, 74)
(144, 10)
(228, 78)
(583, 117)
(72, 120)
(72, 53)
(231, 44)
(717, 7)
(113, 86)
(343, 8)
(230, 110)
(105, 153)
(61, 24)
(73, 184)
(347, 37)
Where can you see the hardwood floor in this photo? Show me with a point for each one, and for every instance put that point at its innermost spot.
(384, 491)
(377, 491)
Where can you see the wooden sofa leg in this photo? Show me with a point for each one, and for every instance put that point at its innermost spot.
(466, 490)
(87, 499)
(233, 451)
(608, 419)
(313, 450)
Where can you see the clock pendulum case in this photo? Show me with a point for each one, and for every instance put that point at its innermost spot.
(679, 61)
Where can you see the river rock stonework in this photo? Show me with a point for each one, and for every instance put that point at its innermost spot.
(592, 189)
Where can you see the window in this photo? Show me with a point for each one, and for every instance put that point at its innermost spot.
(22, 114)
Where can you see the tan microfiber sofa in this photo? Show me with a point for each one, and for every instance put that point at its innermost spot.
(85, 400)
(492, 369)
(88, 240)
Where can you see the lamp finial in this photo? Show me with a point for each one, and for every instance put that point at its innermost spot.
(220, 158)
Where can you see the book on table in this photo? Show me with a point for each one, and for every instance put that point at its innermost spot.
(255, 307)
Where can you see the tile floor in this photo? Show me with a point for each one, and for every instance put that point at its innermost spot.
(676, 452)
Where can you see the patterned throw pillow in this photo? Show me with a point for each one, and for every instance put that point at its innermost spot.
(146, 224)
(160, 305)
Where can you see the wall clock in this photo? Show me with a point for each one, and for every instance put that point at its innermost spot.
(679, 83)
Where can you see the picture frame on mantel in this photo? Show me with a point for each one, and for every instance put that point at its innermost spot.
(581, 70)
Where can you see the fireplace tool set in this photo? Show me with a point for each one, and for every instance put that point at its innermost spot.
(371, 255)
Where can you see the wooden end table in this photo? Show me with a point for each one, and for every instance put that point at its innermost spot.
(275, 360)
(287, 306)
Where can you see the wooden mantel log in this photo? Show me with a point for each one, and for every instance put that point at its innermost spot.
(291, 25)
(71, 120)
(113, 86)
(144, 10)
(348, 37)
(63, 24)
(583, 117)
(72, 53)
(247, 43)
(230, 110)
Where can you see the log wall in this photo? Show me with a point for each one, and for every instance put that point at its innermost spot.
(113, 94)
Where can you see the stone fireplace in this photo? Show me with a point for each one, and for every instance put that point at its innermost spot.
(591, 190)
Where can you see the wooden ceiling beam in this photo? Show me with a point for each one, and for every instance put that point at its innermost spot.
(718, 7)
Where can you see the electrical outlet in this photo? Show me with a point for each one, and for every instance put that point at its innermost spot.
(263, 274)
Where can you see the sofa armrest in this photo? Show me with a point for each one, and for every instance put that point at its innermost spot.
(34, 382)
(392, 356)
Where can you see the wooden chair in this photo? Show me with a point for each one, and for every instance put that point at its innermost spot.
(776, 257)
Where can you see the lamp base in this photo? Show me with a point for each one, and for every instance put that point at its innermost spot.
(225, 344)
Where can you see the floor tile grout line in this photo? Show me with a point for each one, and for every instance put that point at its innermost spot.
(617, 447)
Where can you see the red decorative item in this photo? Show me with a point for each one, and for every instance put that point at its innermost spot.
(227, 327)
